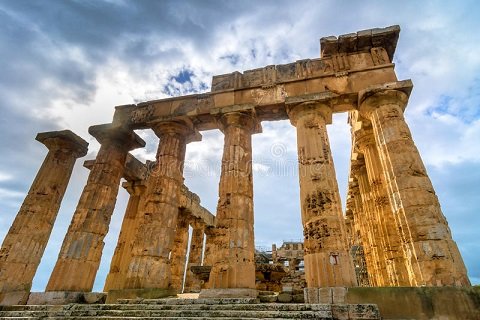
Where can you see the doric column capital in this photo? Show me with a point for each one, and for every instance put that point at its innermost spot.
(65, 141)
(121, 137)
(364, 138)
(373, 97)
(311, 105)
(242, 116)
(357, 167)
(178, 127)
(135, 188)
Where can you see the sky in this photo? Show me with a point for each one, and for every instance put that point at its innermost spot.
(66, 64)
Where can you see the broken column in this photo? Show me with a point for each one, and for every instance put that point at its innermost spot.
(149, 267)
(327, 259)
(192, 283)
(178, 255)
(25, 242)
(428, 244)
(82, 247)
(233, 270)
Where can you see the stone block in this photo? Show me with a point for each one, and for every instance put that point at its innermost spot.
(228, 293)
(299, 298)
(285, 297)
(268, 298)
(114, 295)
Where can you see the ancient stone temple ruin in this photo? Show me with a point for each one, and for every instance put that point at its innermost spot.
(392, 211)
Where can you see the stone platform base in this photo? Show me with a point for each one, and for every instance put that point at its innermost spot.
(114, 295)
(228, 293)
(406, 302)
(65, 297)
(15, 297)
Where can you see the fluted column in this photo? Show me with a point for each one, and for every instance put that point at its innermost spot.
(192, 283)
(150, 266)
(327, 260)
(25, 242)
(121, 257)
(434, 255)
(374, 230)
(234, 264)
(361, 223)
(82, 247)
(396, 264)
(178, 256)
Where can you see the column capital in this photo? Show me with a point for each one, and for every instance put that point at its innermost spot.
(64, 140)
(357, 167)
(389, 93)
(183, 127)
(241, 115)
(317, 104)
(364, 138)
(135, 188)
(118, 135)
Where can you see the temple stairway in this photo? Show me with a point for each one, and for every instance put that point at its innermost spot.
(192, 309)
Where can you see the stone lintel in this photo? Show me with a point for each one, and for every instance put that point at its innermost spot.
(115, 133)
(69, 140)
(404, 86)
(364, 40)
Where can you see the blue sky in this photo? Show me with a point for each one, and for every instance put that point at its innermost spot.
(66, 64)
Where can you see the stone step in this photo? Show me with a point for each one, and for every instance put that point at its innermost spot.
(170, 310)
(252, 307)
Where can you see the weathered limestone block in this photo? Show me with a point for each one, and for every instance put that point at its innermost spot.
(178, 255)
(82, 247)
(327, 260)
(435, 257)
(192, 283)
(234, 264)
(150, 266)
(121, 257)
(25, 242)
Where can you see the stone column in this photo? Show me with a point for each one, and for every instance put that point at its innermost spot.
(396, 264)
(121, 257)
(434, 255)
(192, 283)
(82, 247)
(373, 228)
(25, 242)
(178, 257)
(327, 259)
(150, 266)
(233, 271)
(360, 221)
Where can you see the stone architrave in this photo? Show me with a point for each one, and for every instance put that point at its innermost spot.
(149, 266)
(327, 259)
(82, 247)
(25, 242)
(178, 256)
(121, 257)
(396, 264)
(233, 269)
(428, 242)
(192, 283)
